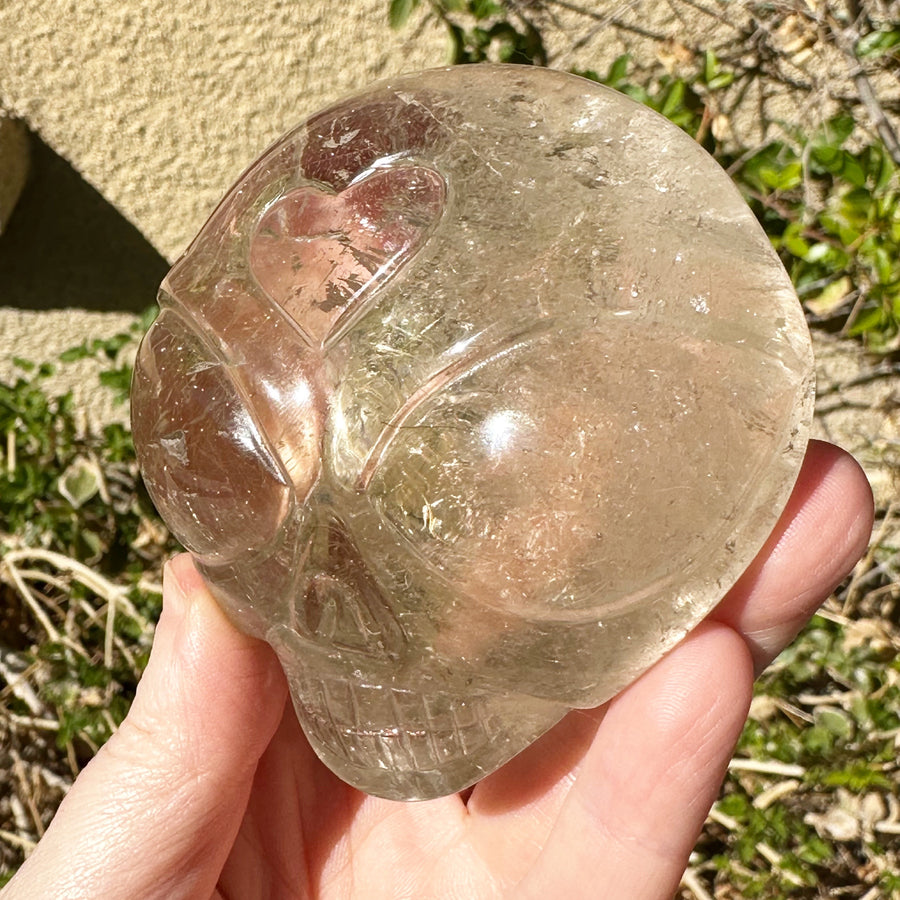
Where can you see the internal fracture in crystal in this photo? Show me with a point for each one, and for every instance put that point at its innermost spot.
(475, 394)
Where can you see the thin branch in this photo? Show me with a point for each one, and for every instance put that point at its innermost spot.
(691, 881)
(92, 580)
(31, 602)
(884, 370)
(846, 40)
(766, 767)
(17, 841)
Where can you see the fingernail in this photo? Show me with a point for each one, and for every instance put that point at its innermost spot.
(180, 580)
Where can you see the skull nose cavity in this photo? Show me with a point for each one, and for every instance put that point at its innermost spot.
(343, 604)
(337, 612)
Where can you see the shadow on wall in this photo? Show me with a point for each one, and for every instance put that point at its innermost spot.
(66, 246)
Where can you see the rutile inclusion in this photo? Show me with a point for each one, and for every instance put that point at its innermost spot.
(477, 391)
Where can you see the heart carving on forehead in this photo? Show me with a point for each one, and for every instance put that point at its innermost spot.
(318, 254)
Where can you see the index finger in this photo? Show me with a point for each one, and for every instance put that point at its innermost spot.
(821, 534)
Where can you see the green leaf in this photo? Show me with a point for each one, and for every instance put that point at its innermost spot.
(79, 482)
(674, 99)
(878, 43)
(881, 169)
(858, 776)
(840, 162)
(843, 223)
(148, 316)
(884, 265)
(92, 542)
(824, 253)
(710, 66)
(457, 40)
(793, 241)
(119, 381)
(400, 11)
(722, 80)
(737, 806)
(636, 92)
(835, 131)
(818, 740)
(484, 9)
(73, 354)
(618, 71)
(784, 178)
(713, 75)
(112, 345)
(868, 320)
(830, 298)
(815, 851)
(838, 722)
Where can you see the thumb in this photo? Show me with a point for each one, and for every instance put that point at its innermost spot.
(155, 813)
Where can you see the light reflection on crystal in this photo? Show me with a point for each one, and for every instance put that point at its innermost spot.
(472, 397)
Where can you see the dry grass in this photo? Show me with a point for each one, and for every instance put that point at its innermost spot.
(811, 806)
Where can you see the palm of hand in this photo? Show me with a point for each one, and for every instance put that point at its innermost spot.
(210, 789)
(521, 831)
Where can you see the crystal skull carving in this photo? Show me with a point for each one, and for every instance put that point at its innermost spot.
(476, 392)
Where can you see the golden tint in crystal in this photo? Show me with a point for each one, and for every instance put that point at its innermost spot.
(475, 394)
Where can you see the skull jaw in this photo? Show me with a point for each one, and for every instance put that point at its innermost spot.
(403, 740)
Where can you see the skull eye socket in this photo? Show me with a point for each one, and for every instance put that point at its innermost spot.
(204, 459)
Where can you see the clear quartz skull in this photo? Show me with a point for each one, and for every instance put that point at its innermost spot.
(476, 392)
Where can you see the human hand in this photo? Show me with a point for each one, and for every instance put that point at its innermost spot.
(209, 788)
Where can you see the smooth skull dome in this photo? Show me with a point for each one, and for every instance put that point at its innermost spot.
(477, 391)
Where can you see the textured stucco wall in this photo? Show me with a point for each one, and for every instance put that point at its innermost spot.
(142, 114)
(160, 105)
